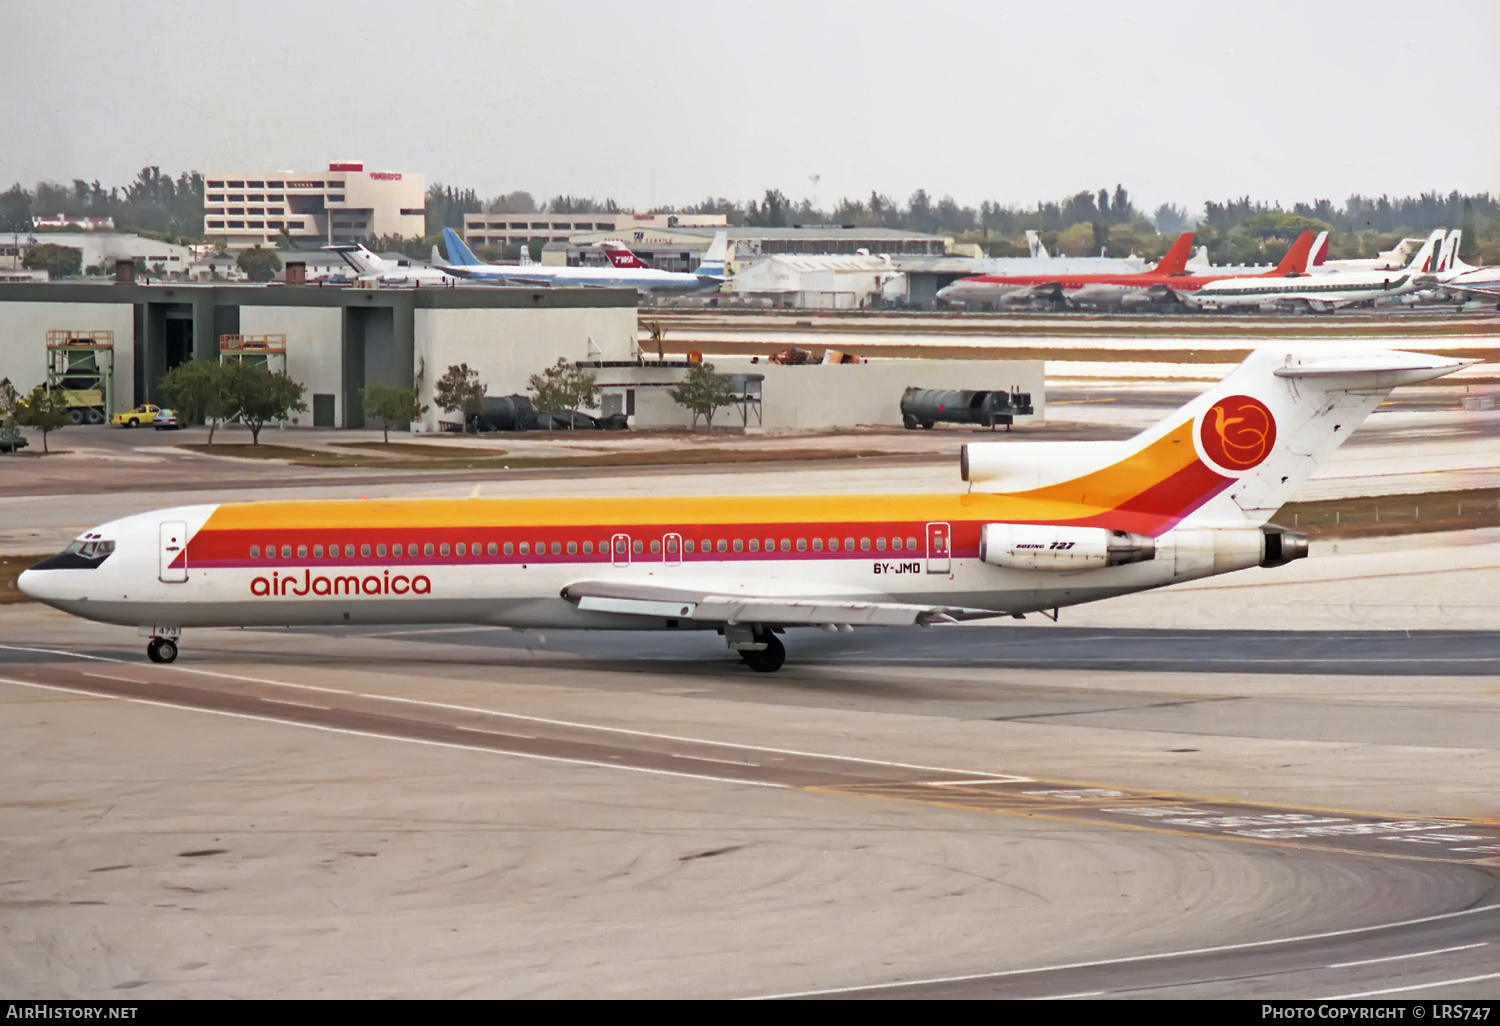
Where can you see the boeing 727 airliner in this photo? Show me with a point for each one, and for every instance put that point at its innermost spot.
(1042, 525)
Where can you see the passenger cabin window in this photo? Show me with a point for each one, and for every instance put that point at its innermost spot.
(510, 549)
(689, 546)
(817, 544)
(348, 551)
(801, 544)
(786, 545)
(655, 546)
(526, 548)
(396, 549)
(364, 552)
(286, 552)
(911, 543)
(739, 545)
(638, 547)
(588, 548)
(443, 549)
(723, 545)
(833, 544)
(427, 549)
(880, 544)
(864, 545)
(573, 548)
(848, 544)
(317, 552)
(460, 550)
(557, 548)
(754, 544)
(380, 550)
(301, 551)
(493, 549)
(255, 552)
(672, 546)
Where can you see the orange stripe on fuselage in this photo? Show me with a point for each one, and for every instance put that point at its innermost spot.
(1148, 490)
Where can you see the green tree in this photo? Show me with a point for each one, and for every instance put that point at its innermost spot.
(260, 396)
(459, 391)
(201, 390)
(57, 261)
(703, 392)
(9, 400)
(392, 406)
(15, 209)
(46, 411)
(259, 264)
(563, 386)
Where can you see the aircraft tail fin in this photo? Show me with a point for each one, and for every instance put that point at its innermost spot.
(1319, 251)
(459, 254)
(1034, 245)
(1176, 258)
(715, 257)
(620, 256)
(361, 259)
(1425, 260)
(1295, 261)
(1232, 456)
(1448, 254)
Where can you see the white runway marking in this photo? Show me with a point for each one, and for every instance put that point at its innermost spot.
(393, 737)
(1398, 958)
(1415, 986)
(1216, 949)
(987, 776)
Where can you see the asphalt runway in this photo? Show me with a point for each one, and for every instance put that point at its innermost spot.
(985, 774)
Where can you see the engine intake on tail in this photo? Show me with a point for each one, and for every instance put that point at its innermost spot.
(1039, 547)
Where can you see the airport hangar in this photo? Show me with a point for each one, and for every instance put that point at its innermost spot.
(339, 341)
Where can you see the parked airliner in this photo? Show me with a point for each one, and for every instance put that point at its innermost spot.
(1042, 525)
(1169, 279)
(1320, 292)
(709, 275)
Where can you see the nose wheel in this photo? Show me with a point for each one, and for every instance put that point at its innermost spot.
(161, 650)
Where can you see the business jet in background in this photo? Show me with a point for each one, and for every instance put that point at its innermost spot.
(370, 269)
(1041, 525)
(1319, 292)
(631, 273)
(1454, 275)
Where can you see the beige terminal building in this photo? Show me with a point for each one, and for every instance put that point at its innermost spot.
(343, 204)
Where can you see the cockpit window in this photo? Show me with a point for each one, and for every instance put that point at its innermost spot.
(83, 554)
(96, 550)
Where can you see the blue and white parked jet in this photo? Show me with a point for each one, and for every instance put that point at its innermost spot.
(709, 275)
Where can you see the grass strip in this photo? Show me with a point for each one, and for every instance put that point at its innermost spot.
(1411, 513)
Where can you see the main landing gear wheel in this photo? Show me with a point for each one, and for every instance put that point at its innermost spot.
(163, 650)
(768, 659)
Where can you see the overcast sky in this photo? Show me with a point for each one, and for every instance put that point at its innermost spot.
(662, 102)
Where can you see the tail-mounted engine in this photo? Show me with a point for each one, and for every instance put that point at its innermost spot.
(1038, 547)
(1281, 546)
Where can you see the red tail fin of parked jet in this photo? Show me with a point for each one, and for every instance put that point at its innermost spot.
(620, 256)
(1175, 262)
(1295, 261)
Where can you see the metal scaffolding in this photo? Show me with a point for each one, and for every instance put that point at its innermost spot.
(268, 351)
(81, 364)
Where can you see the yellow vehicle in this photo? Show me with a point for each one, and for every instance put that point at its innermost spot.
(142, 414)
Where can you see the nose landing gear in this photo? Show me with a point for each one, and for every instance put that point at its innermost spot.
(161, 650)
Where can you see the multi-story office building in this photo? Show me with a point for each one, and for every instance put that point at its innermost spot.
(344, 204)
(494, 230)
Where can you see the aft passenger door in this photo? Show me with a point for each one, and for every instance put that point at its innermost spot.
(671, 549)
(939, 556)
(173, 552)
(620, 549)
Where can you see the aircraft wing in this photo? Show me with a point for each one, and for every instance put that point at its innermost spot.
(686, 602)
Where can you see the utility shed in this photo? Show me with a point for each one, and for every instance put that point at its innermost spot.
(339, 341)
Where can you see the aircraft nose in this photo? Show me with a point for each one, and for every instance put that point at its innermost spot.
(30, 583)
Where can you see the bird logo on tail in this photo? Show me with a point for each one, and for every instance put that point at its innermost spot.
(1237, 433)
